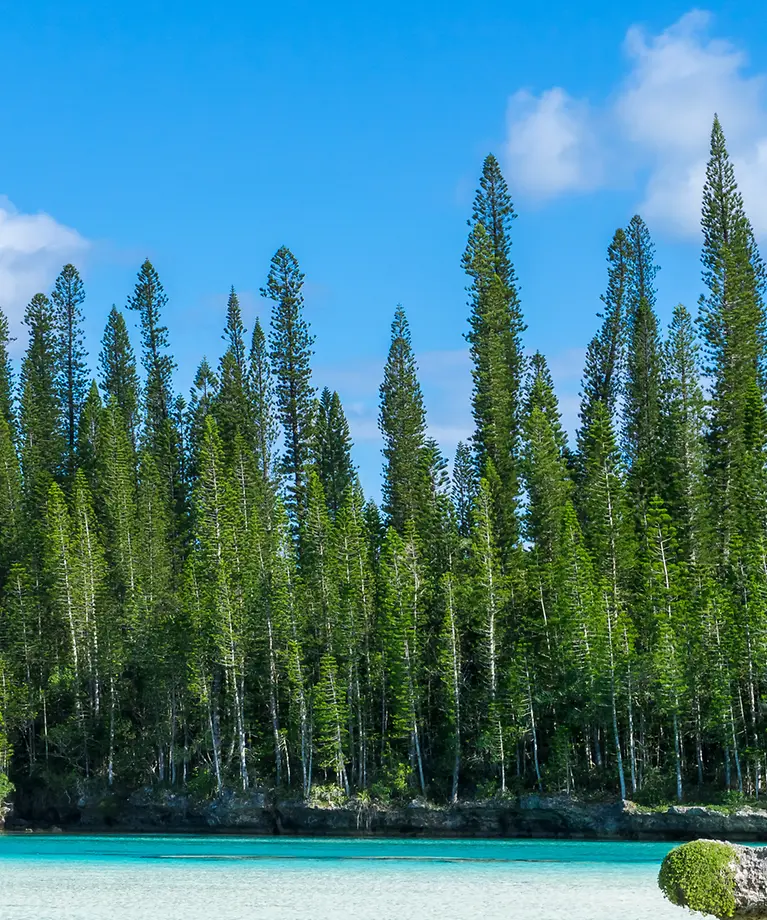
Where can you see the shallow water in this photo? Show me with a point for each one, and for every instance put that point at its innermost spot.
(254, 878)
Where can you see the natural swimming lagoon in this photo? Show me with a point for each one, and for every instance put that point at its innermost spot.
(78, 877)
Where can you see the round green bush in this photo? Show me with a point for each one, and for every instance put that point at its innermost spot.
(701, 875)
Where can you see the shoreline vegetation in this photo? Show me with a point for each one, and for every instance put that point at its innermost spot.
(198, 600)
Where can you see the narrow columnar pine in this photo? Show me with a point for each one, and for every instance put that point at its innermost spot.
(261, 385)
(149, 300)
(71, 358)
(6, 373)
(11, 509)
(233, 407)
(162, 429)
(732, 319)
(682, 433)
(291, 349)
(88, 432)
(331, 449)
(541, 395)
(493, 209)
(605, 355)
(43, 447)
(202, 399)
(498, 362)
(402, 421)
(642, 383)
(464, 487)
(117, 371)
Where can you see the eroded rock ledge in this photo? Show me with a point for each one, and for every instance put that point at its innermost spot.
(260, 813)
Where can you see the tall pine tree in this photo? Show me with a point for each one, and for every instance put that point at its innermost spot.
(331, 449)
(118, 376)
(496, 328)
(290, 352)
(72, 373)
(402, 420)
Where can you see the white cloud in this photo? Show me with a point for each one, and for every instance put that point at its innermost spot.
(33, 248)
(655, 123)
(552, 142)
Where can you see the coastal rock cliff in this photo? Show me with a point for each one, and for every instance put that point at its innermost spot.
(261, 813)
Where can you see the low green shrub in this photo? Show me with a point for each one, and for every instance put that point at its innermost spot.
(700, 875)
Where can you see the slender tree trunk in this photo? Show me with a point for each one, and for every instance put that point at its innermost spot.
(678, 758)
(736, 755)
(215, 730)
(111, 762)
(533, 732)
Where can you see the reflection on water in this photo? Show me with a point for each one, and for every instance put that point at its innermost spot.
(238, 878)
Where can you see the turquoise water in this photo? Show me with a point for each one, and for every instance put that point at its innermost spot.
(66, 877)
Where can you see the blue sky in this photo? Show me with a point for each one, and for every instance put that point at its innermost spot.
(206, 135)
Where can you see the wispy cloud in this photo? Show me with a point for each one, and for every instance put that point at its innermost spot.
(33, 247)
(553, 143)
(655, 124)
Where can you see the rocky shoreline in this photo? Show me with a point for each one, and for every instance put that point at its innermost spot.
(528, 816)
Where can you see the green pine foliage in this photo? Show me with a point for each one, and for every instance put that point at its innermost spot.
(199, 596)
(42, 444)
(332, 449)
(402, 420)
(6, 372)
(291, 349)
(261, 387)
(149, 300)
(495, 344)
(71, 370)
(233, 408)
(117, 365)
(643, 371)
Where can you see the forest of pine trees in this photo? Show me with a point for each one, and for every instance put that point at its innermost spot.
(196, 594)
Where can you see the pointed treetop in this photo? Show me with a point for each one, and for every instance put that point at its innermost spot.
(291, 342)
(234, 333)
(205, 381)
(542, 396)
(149, 300)
(402, 420)
(605, 355)
(723, 219)
(332, 449)
(117, 370)
(493, 209)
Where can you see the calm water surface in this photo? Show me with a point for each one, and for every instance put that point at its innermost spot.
(252, 878)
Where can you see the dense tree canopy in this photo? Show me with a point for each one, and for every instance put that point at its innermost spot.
(198, 595)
